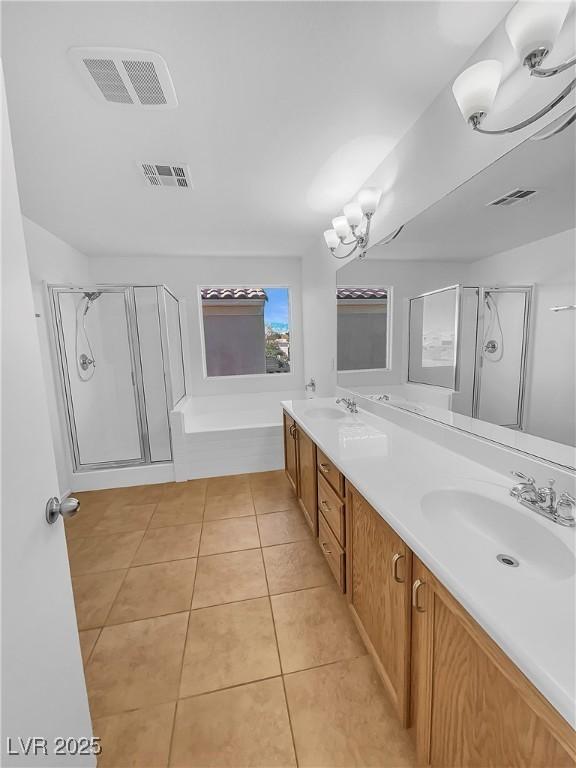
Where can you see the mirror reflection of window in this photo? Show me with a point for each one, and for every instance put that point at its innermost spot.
(363, 323)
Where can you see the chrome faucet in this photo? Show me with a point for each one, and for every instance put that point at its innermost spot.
(311, 385)
(560, 508)
(349, 403)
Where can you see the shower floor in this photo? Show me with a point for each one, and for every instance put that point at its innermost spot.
(213, 633)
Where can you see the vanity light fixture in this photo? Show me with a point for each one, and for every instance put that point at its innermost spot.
(353, 228)
(532, 27)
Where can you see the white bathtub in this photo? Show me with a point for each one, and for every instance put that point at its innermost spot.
(228, 435)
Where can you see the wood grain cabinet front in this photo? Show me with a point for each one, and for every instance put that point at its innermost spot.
(471, 707)
(307, 492)
(378, 572)
(290, 451)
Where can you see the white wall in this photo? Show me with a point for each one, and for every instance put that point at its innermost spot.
(319, 318)
(550, 265)
(54, 261)
(184, 276)
(407, 279)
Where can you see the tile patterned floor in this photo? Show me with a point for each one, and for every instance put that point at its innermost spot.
(213, 634)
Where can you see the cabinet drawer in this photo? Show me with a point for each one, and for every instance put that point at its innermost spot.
(332, 507)
(329, 471)
(332, 551)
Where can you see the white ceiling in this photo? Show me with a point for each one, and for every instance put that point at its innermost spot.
(285, 108)
(462, 227)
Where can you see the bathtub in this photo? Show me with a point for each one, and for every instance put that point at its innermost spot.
(228, 435)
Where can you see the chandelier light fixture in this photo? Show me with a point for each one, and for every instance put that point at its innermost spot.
(353, 228)
(532, 27)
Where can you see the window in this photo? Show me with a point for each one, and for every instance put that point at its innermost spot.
(246, 330)
(363, 328)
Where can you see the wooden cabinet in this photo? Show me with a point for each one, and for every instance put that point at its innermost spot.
(470, 705)
(331, 507)
(332, 551)
(290, 451)
(378, 573)
(331, 473)
(306, 453)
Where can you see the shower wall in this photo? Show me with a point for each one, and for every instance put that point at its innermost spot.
(120, 365)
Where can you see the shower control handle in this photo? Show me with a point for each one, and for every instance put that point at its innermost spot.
(67, 508)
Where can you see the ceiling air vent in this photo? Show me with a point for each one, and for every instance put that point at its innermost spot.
(164, 175)
(125, 76)
(513, 197)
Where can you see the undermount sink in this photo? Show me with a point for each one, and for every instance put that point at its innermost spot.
(511, 531)
(322, 412)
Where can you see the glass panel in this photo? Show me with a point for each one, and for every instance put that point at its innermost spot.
(100, 376)
(433, 338)
(175, 360)
(153, 373)
(246, 330)
(362, 329)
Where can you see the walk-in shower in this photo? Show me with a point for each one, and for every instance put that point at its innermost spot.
(119, 355)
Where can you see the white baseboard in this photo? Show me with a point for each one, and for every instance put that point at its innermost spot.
(97, 480)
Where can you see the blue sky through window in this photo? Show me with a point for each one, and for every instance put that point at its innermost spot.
(277, 309)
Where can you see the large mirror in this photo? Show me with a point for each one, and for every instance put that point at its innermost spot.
(483, 311)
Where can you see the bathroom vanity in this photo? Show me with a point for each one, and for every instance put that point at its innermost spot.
(475, 655)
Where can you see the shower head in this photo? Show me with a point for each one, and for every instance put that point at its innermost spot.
(92, 296)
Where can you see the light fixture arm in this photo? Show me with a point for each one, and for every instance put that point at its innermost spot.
(551, 71)
(361, 241)
(476, 119)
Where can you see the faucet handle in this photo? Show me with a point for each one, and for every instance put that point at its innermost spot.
(524, 477)
(567, 498)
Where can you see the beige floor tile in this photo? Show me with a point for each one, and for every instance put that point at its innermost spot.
(136, 494)
(299, 565)
(137, 739)
(274, 500)
(244, 727)
(88, 639)
(86, 520)
(229, 535)
(341, 717)
(178, 511)
(177, 542)
(275, 477)
(94, 594)
(229, 577)
(229, 484)
(103, 553)
(192, 490)
(228, 645)
(154, 590)
(282, 528)
(230, 505)
(136, 664)
(314, 627)
(121, 519)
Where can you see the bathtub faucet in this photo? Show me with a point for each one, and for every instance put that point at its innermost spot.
(311, 385)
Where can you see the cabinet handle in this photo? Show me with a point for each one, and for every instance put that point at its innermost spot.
(415, 589)
(325, 548)
(397, 557)
(291, 430)
(325, 468)
(324, 503)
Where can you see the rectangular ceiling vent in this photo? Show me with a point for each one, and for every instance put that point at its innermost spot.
(513, 197)
(166, 175)
(125, 76)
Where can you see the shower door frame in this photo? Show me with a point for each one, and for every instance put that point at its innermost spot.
(528, 290)
(54, 292)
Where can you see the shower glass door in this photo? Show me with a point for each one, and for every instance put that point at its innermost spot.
(97, 347)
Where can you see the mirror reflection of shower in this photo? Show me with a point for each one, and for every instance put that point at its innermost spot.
(493, 342)
(85, 361)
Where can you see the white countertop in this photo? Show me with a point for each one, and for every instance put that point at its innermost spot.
(528, 612)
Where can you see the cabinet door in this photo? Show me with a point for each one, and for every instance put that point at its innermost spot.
(307, 488)
(472, 707)
(378, 568)
(290, 452)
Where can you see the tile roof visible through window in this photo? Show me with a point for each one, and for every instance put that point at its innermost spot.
(362, 293)
(233, 293)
